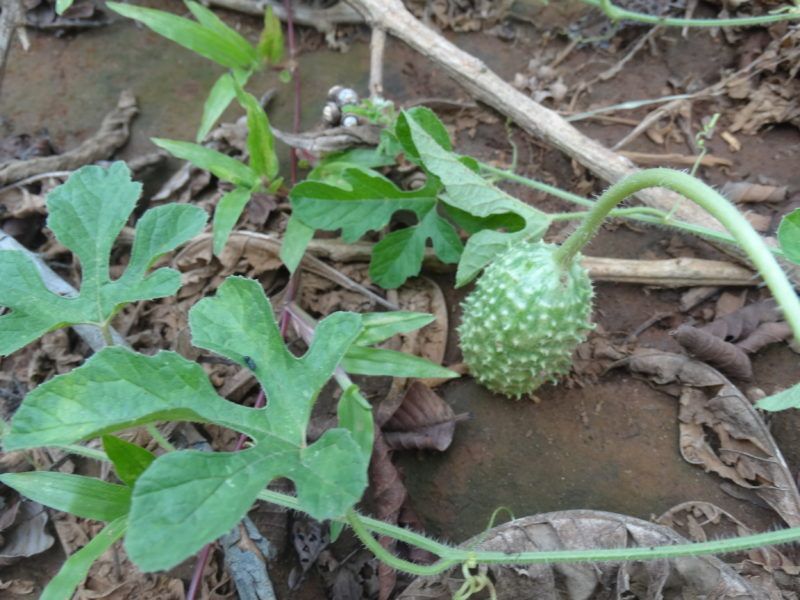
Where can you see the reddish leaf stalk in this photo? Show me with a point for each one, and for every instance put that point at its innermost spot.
(296, 80)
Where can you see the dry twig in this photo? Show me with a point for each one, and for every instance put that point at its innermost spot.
(113, 133)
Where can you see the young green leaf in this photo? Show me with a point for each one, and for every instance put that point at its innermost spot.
(219, 98)
(484, 246)
(228, 211)
(63, 5)
(76, 568)
(788, 398)
(85, 497)
(355, 415)
(129, 460)
(270, 43)
(209, 39)
(399, 255)
(378, 327)
(426, 119)
(212, 22)
(360, 360)
(221, 165)
(186, 499)
(367, 205)
(789, 235)
(260, 143)
(295, 241)
(86, 215)
(469, 192)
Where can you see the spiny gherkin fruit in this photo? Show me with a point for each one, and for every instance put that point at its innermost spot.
(524, 319)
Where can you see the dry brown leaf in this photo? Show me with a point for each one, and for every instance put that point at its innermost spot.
(24, 532)
(743, 191)
(726, 341)
(744, 450)
(18, 587)
(704, 346)
(461, 15)
(423, 421)
(768, 569)
(702, 522)
(581, 529)
(309, 539)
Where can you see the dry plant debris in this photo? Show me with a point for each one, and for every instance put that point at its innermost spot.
(668, 579)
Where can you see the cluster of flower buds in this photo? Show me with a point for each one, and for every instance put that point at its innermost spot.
(338, 97)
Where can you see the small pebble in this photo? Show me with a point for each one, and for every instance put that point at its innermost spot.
(331, 113)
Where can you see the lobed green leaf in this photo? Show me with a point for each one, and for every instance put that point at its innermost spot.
(467, 191)
(86, 215)
(186, 499)
(368, 204)
(399, 254)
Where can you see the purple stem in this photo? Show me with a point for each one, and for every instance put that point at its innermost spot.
(291, 288)
(296, 79)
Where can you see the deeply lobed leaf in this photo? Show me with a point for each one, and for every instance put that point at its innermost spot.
(467, 191)
(87, 214)
(368, 204)
(185, 499)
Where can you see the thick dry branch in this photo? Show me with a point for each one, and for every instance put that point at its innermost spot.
(377, 46)
(671, 273)
(648, 159)
(113, 134)
(488, 87)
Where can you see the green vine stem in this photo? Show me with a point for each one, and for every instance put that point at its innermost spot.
(615, 13)
(365, 527)
(642, 214)
(711, 201)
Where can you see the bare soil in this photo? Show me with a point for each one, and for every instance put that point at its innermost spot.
(605, 441)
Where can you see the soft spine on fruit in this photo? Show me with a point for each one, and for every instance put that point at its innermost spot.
(524, 319)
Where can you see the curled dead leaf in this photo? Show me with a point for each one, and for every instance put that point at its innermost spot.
(423, 421)
(721, 431)
(726, 341)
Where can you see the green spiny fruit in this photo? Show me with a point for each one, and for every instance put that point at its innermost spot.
(524, 319)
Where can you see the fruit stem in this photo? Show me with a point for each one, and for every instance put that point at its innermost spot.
(711, 201)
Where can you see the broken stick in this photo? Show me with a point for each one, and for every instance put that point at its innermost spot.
(113, 134)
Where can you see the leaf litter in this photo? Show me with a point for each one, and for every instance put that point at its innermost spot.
(668, 579)
(255, 262)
